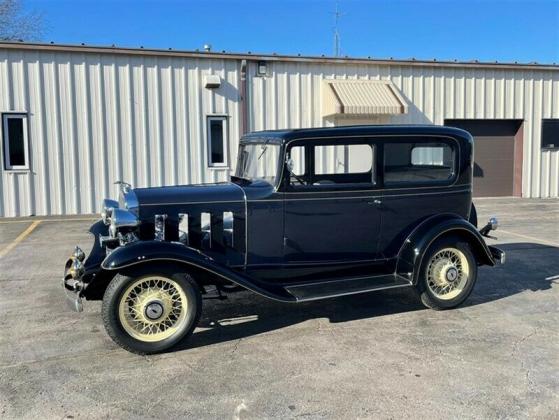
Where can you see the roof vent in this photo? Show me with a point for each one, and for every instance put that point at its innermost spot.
(207, 47)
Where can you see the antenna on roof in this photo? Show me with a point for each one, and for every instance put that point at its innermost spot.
(337, 15)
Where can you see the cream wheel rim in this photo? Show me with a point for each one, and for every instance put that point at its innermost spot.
(448, 273)
(153, 308)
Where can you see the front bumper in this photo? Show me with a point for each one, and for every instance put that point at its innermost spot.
(72, 282)
(77, 280)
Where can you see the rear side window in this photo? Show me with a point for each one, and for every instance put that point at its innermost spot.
(418, 163)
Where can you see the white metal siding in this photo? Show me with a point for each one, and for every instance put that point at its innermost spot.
(291, 98)
(98, 118)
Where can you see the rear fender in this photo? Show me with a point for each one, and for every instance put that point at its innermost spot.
(410, 256)
(155, 252)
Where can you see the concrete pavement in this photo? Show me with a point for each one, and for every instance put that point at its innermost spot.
(380, 355)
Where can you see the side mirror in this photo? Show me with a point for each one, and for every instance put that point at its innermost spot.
(290, 164)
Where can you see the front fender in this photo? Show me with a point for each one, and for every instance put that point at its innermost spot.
(410, 256)
(144, 252)
(97, 253)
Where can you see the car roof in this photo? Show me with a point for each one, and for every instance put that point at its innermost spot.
(284, 136)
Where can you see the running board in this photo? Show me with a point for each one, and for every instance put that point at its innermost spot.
(341, 287)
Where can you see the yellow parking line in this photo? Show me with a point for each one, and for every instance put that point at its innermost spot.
(542, 241)
(76, 219)
(20, 238)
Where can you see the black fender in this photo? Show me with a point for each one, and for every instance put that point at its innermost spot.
(145, 252)
(97, 253)
(410, 256)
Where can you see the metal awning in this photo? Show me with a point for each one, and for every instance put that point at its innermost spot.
(361, 97)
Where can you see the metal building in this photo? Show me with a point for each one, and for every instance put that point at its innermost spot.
(75, 119)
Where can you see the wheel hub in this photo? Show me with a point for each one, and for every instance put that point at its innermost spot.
(451, 274)
(154, 310)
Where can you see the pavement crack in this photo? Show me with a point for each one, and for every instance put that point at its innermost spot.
(522, 339)
(236, 346)
(527, 370)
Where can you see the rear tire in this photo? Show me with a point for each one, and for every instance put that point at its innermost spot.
(151, 312)
(447, 275)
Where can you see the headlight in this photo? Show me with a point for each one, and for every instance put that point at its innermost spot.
(107, 210)
(122, 219)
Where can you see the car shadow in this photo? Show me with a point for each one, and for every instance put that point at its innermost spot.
(529, 267)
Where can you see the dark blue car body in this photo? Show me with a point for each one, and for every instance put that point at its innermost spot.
(313, 241)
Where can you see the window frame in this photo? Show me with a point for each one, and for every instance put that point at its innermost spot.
(225, 139)
(310, 148)
(6, 143)
(420, 141)
(547, 146)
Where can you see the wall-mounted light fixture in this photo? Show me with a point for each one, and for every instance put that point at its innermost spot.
(261, 70)
(212, 81)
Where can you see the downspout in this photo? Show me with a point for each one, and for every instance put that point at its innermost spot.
(244, 98)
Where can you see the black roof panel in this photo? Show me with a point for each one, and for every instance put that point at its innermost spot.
(283, 136)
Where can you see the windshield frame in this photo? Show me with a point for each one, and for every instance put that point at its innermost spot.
(279, 168)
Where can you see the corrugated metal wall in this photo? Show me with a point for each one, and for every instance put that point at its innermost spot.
(98, 118)
(95, 118)
(291, 95)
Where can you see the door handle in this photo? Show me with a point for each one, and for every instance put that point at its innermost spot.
(375, 202)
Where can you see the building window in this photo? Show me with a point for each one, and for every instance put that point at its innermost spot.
(217, 142)
(550, 134)
(16, 143)
(418, 163)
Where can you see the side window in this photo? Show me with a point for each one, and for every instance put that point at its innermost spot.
(344, 164)
(16, 142)
(299, 174)
(418, 163)
(428, 155)
(217, 141)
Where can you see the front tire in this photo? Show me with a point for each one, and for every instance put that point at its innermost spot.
(447, 275)
(151, 312)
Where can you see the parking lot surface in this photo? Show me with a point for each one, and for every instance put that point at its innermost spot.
(380, 355)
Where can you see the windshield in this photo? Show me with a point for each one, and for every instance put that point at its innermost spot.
(258, 161)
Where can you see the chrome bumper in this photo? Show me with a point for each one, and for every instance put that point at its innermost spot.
(498, 255)
(72, 280)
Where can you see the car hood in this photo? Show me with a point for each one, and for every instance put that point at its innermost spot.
(222, 192)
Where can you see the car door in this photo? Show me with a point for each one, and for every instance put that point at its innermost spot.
(332, 214)
(420, 176)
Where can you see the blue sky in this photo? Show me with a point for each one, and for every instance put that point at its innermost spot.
(504, 30)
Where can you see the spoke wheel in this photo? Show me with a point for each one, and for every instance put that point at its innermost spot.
(447, 273)
(153, 309)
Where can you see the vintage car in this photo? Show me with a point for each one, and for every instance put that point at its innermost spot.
(309, 214)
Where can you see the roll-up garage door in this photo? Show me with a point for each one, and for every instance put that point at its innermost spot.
(494, 155)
